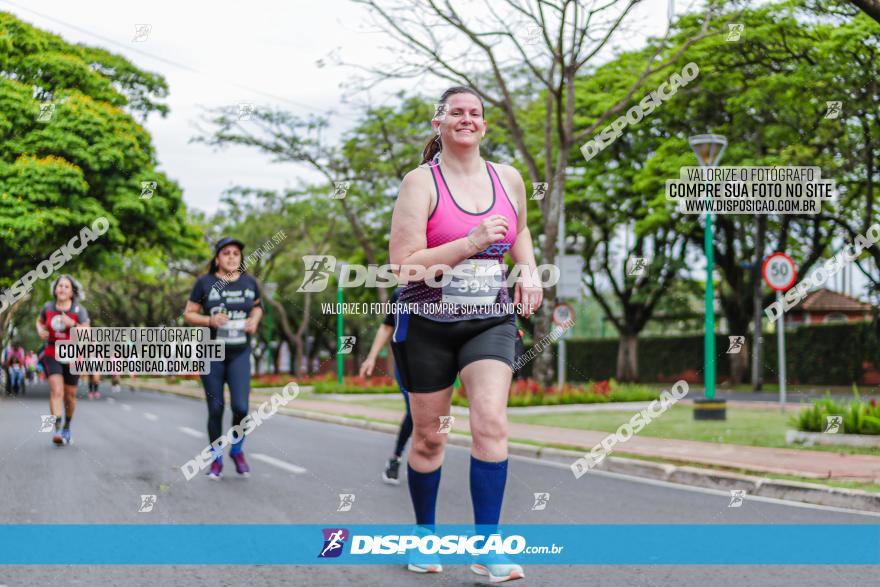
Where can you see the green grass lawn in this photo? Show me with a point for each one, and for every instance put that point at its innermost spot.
(751, 427)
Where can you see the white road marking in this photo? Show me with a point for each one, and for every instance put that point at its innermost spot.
(151, 417)
(126, 407)
(278, 463)
(191, 432)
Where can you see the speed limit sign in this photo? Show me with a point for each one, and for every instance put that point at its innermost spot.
(562, 313)
(779, 271)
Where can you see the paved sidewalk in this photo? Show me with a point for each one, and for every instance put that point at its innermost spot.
(803, 463)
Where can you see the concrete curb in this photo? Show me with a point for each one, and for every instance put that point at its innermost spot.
(810, 438)
(683, 475)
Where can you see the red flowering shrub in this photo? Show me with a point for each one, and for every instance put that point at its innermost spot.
(601, 387)
(525, 386)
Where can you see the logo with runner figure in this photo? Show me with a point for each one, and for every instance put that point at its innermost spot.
(47, 423)
(318, 271)
(346, 345)
(736, 344)
(334, 541)
(346, 501)
(446, 423)
(541, 501)
(736, 498)
(147, 503)
(833, 424)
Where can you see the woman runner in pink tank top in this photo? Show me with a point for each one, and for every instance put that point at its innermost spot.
(458, 211)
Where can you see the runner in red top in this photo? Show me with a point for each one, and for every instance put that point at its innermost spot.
(54, 324)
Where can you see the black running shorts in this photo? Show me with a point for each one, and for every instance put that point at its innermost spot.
(430, 354)
(53, 367)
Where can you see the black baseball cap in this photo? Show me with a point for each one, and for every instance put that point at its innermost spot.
(227, 240)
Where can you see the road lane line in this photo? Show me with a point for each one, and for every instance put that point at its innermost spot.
(151, 417)
(126, 407)
(191, 432)
(278, 463)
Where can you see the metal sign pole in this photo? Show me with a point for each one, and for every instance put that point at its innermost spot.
(561, 362)
(781, 338)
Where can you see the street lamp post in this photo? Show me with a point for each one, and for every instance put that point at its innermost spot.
(709, 149)
(340, 326)
(269, 289)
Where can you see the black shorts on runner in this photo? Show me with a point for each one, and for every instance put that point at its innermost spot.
(53, 367)
(430, 354)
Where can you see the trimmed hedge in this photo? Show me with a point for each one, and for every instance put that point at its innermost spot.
(824, 354)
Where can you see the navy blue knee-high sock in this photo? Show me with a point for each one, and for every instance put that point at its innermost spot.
(423, 488)
(487, 492)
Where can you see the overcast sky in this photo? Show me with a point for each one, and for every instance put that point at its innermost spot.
(216, 54)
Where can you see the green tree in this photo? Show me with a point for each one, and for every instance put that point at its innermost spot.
(72, 150)
(767, 94)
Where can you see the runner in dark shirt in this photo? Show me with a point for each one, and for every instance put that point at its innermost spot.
(227, 300)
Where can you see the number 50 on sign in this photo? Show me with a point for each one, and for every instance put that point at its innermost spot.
(779, 271)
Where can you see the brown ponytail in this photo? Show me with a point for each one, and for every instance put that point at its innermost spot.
(434, 144)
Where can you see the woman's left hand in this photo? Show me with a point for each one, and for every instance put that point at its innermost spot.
(530, 298)
(250, 325)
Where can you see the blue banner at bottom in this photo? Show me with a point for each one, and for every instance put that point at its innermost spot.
(301, 544)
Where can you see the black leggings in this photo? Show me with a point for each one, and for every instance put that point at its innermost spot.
(406, 427)
(235, 370)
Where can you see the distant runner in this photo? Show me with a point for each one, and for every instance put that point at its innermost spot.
(54, 324)
(227, 300)
(94, 383)
(14, 362)
(391, 474)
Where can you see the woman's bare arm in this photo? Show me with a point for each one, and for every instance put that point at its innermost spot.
(193, 316)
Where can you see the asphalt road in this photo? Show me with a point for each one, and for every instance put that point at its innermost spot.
(132, 443)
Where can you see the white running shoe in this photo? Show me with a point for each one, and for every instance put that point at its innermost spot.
(498, 573)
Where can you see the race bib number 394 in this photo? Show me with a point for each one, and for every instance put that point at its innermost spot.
(475, 282)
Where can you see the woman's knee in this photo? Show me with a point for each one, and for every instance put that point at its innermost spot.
(492, 428)
(215, 407)
(238, 399)
(427, 443)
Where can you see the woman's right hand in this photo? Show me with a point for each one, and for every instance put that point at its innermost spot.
(490, 231)
(367, 367)
(42, 333)
(217, 320)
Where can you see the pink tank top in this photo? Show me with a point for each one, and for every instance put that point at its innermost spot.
(449, 222)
